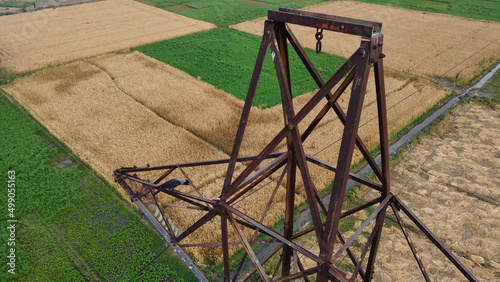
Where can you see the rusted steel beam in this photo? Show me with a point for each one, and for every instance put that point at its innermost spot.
(350, 253)
(125, 170)
(178, 206)
(346, 152)
(295, 140)
(371, 243)
(191, 182)
(352, 176)
(167, 222)
(370, 265)
(410, 243)
(298, 275)
(225, 247)
(274, 234)
(174, 193)
(382, 206)
(336, 274)
(187, 200)
(317, 21)
(362, 206)
(344, 69)
(280, 263)
(219, 244)
(302, 269)
(382, 121)
(204, 219)
(338, 110)
(165, 174)
(247, 247)
(268, 27)
(344, 214)
(264, 214)
(377, 26)
(281, 62)
(264, 260)
(434, 239)
(289, 210)
(331, 101)
(258, 177)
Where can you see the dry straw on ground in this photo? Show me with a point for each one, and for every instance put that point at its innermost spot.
(30, 41)
(416, 42)
(450, 180)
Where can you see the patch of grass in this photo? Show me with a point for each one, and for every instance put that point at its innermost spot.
(481, 9)
(493, 86)
(6, 77)
(71, 226)
(17, 4)
(226, 12)
(226, 58)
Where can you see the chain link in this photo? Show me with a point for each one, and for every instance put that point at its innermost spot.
(319, 36)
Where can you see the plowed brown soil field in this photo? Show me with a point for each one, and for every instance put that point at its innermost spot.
(33, 40)
(416, 42)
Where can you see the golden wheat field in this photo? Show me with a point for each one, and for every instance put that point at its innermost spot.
(213, 115)
(81, 106)
(422, 43)
(128, 109)
(30, 41)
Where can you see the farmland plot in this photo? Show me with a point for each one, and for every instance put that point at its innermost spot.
(81, 106)
(416, 42)
(125, 109)
(213, 115)
(450, 180)
(30, 41)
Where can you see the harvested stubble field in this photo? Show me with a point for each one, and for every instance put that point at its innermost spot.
(30, 41)
(450, 181)
(421, 43)
(125, 109)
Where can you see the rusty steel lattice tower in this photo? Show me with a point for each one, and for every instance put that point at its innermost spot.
(294, 162)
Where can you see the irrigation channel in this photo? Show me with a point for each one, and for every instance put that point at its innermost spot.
(305, 216)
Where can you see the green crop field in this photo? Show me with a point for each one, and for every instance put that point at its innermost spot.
(226, 12)
(17, 3)
(225, 58)
(480, 9)
(70, 225)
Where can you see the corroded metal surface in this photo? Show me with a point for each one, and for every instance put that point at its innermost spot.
(293, 166)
